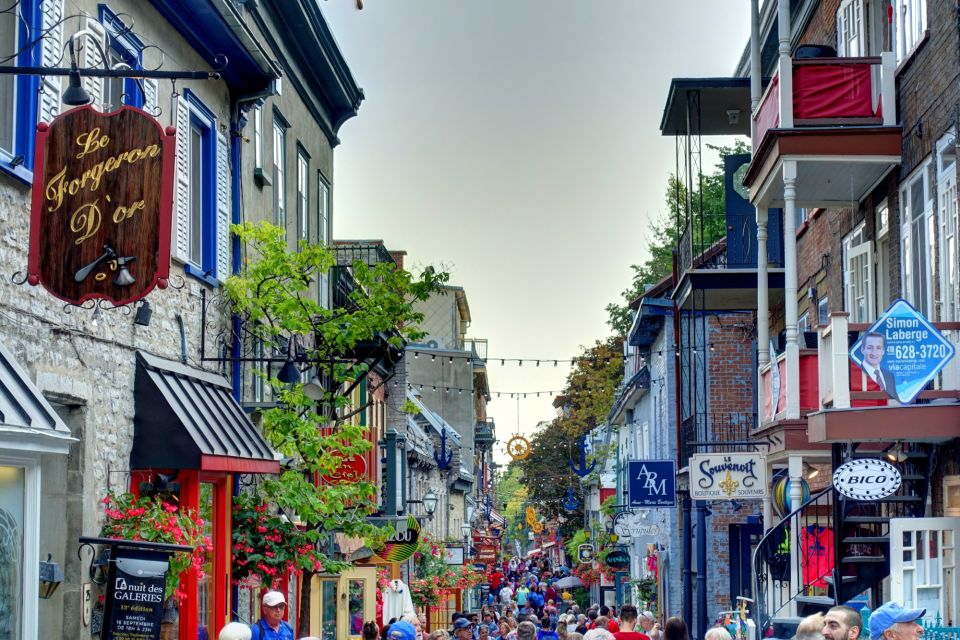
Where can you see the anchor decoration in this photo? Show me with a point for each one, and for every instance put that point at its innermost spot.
(582, 470)
(570, 502)
(487, 508)
(443, 458)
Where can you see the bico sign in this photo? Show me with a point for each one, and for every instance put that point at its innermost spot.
(867, 479)
(102, 199)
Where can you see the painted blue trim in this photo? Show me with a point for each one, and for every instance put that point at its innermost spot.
(129, 47)
(205, 277)
(236, 374)
(26, 104)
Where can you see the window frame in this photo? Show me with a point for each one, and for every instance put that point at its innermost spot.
(823, 311)
(258, 137)
(303, 193)
(324, 202)
(948, 217)
(908, 243)
(905, 41)
(18, 160)
(121, 41)
(851, 10)
(279, 170)
(855, 245)
(201, 117)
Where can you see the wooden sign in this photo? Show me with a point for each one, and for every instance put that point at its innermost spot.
(102, 200)
(352, 469)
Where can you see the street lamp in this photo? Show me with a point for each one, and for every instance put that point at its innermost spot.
(430, 503)
(465, 528)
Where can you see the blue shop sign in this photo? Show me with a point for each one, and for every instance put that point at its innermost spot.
(902, 352)
(652, 483)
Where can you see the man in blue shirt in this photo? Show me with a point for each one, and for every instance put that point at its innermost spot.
(271, 625)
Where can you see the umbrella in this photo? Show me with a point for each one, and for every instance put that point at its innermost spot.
(568, 583)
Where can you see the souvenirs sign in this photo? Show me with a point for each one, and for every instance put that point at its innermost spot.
(728, 476)
(901, 352)
(102, 200)
(867, 479)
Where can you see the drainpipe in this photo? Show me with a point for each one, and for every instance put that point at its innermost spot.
(687, 557)
(701, 508)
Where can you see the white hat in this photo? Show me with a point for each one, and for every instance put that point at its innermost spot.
(235, 631)
(648, 615)
(273, 598)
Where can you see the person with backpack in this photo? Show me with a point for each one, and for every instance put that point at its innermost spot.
(271, 625)
(546, 632)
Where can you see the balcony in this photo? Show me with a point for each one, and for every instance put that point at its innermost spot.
(837, 117)
(852, 407)
(342, 285)
(484, 434)
(715, 433)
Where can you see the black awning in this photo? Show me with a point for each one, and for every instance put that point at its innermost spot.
(186, 418)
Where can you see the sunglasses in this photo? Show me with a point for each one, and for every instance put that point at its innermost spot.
(282, 605)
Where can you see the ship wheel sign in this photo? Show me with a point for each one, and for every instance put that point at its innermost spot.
(518, 447)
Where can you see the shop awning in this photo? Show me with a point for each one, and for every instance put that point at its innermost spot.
(186, 418)
(27, 421)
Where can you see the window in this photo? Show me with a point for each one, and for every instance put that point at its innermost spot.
(823, 311)
(803, 324)
(258, 137)
(202, 189)
(18, 93)
(279, 169)
(123, 50)
(850, 32)
(858, 275)
(303, 194)
(916, 227)
(323, 234)
(909, 25)
(882, 260)
(802, 216)
(947, 200)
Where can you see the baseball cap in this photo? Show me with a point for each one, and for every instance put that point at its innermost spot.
(273, 598)
(402, 631)
(648, 615)
(462, 623)
(889, 614)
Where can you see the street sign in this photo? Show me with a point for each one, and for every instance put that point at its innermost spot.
(901, 352)
(867, 479)
(728, 476)
(653, 483)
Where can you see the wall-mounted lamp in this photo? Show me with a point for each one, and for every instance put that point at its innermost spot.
(51, 575)
(810, 471)
(430, 503)
(144, 313)
(896, 453)
(289, 373)
(733, 116)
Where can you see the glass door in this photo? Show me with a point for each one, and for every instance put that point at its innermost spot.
(323, 607)
(213, 588)
(11, 552)
(923, 566)
(358, 601)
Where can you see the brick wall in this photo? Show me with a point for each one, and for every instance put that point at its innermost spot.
(730, 363)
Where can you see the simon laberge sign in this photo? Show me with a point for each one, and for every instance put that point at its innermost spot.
(102, 201)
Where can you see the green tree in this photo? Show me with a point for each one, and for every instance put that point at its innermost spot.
(274, 297)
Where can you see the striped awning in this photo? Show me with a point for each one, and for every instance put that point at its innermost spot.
(27, 421)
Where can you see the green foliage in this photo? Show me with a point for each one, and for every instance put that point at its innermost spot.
(275, 297)
(579, 537)
(609, 506)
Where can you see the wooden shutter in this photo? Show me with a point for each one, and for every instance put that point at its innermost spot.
(150, 95)
(181, 230)
(51, 12)
(94, 44)
(223, 207)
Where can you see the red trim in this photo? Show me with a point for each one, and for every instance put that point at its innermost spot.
(238, 465)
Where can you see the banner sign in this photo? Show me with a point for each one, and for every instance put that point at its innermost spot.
(901, 352)
(135, 594)
(653, 483)
(102, 201)
(635, 524)
(867, 479)
(728, 476)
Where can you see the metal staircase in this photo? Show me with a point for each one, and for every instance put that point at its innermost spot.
(843, 544)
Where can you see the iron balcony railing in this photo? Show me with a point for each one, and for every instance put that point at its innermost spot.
(368, 252)
(715, 433)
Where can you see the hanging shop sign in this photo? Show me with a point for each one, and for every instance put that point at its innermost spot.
(136, 585)
(453, 555)
(728, 476)
(102, 200)
(486, 553)
(901, 353)
(352, 469)
(585, 552)
(402, 544)
(618, 558)
(867, 479)
(635, 524)
(653, 483)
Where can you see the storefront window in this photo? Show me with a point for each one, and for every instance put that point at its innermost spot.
(356, 607)
(328, 615)
(11, 552)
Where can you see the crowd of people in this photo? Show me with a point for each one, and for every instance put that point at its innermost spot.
(521, 616)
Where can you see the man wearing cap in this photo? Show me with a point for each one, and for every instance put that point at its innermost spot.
(401, 630)
(649, 625)
(842, 623)
(892, 622)
(271, 625)
(462, 629)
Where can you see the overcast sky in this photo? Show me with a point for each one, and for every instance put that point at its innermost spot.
(516, 143)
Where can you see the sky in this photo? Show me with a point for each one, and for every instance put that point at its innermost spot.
(516, 144)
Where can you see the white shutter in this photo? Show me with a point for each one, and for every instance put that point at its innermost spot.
(94, 44)
(181, 230)
(223, 207)
(51, 13)
(150, 91)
